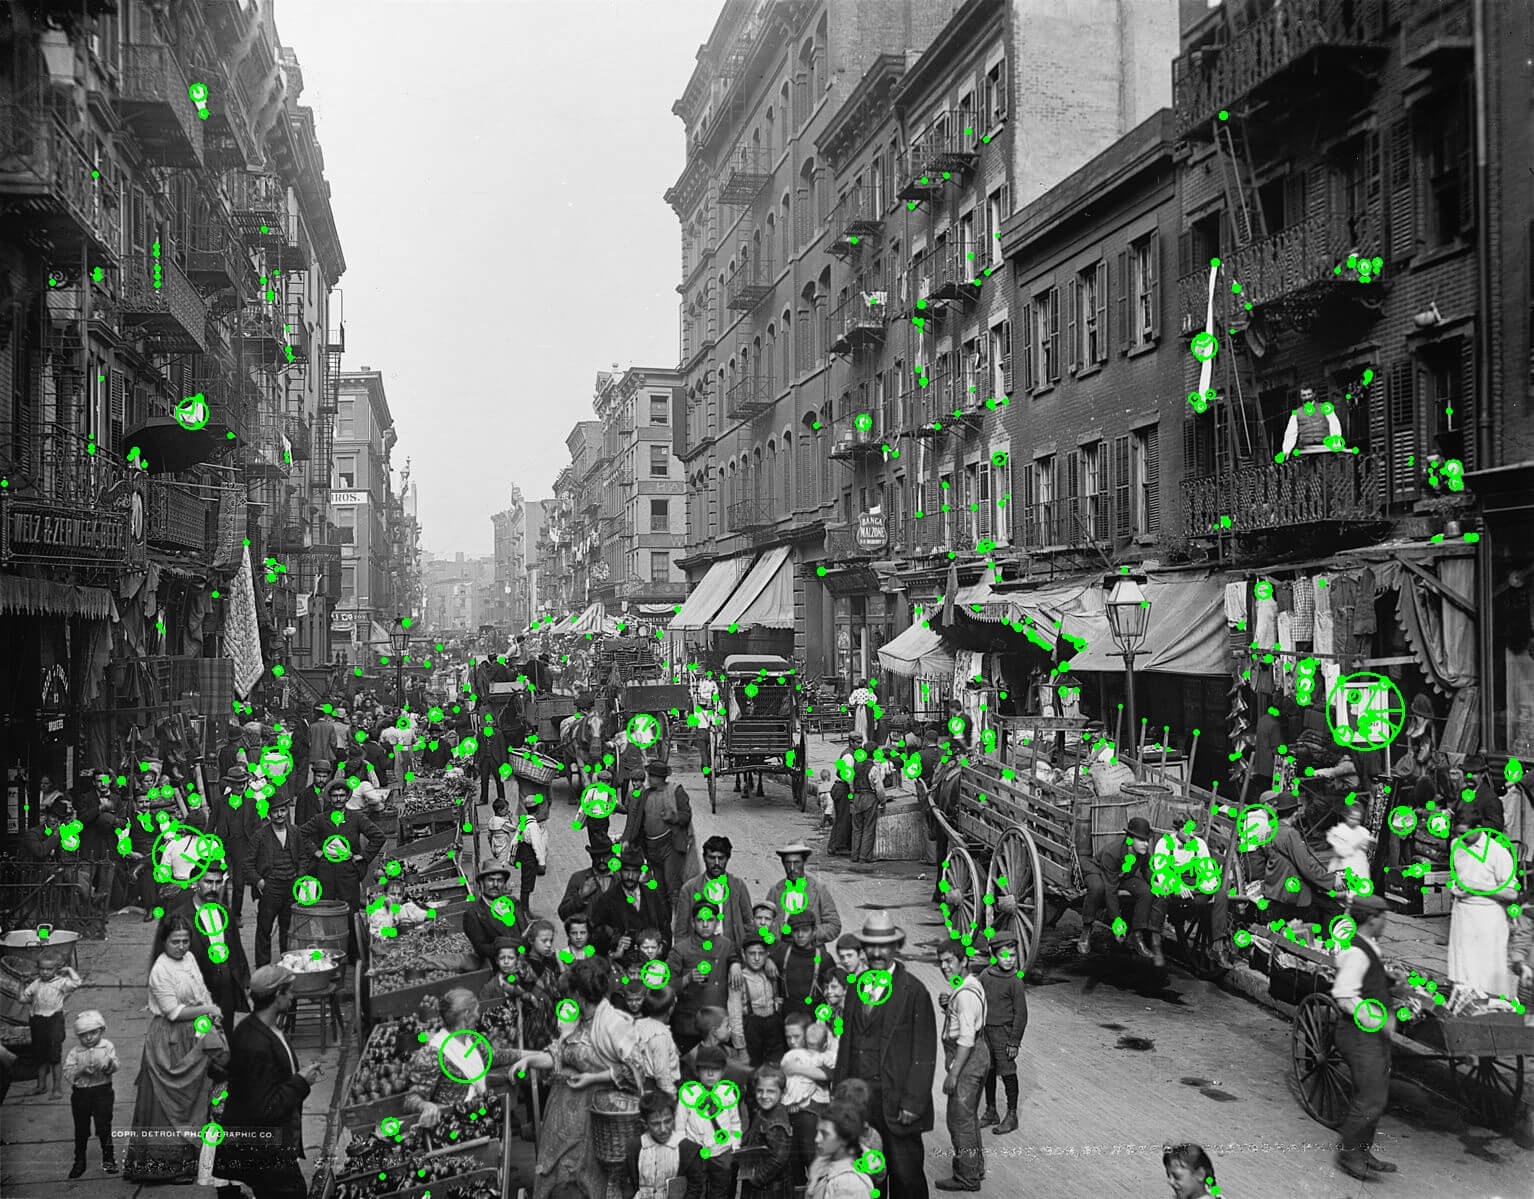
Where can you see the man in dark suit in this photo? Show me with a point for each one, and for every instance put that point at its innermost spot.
(1288, 857)
(660, 823)
(889, 1040)
(237, 824)
(481, 924)
(281, 860)
(586, 886)
(341, 842)
(624, 911)
(215, 941)
(1124, 866)
(263, 1116)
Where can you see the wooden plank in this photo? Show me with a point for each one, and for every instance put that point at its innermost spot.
(407, 999)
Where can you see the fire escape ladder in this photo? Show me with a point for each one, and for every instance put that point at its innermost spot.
(1236, 173)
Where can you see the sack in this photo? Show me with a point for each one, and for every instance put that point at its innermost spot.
(215, 1047)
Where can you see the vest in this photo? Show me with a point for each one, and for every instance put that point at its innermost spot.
(861, 775)
(1312, 427)
(1376, 984)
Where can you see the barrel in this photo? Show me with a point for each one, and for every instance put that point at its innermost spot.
(1083, 805)
(321, 926)
(12, 982)
(1109, 818)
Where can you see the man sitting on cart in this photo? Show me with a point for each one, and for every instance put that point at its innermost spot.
(1185, 873)
(1120, 867)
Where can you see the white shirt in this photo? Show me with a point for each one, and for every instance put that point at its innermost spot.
(1352, 965)
(1184, 873)
(966, 1013)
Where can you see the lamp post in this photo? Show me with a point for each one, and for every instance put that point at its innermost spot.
(399, 642)
(1129, 618)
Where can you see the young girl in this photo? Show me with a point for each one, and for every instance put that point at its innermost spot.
(823, 784)
(577, 938)
(765, 1170)
(501, 828)
(394, 911)
(1188, 1170)
(1351, 843)
(661, 1154)
(45, 997)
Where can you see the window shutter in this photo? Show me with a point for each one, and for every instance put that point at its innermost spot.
(1006, 358)
(1402, 443)
(1102, 310)
(1464, 165)
(1121, 485)
(1030, 536)
(1070, 503)
(1054, 334)
(1028, 340)
(986, 502)
(1126, 284)
(1154, 259)
(1071, 304)
(1153, 479)
(1464, 416)
(119, 412)
(1403, 217)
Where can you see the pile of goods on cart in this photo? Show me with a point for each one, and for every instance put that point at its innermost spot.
(620, 659)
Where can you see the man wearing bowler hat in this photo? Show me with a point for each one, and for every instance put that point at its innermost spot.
(586, 886)
(263, 1116)
(1362, 992)
(966, 1057)
(1124, 866)
(889, 1040)
(1296, 882)
(660, 823)
(623, 912)
(797, 892)
(481, 924)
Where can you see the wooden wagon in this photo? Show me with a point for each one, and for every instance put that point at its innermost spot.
(763, 728)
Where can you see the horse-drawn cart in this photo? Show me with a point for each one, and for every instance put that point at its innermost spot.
(763, 730)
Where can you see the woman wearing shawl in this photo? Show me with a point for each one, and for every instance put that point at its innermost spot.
(1484, 884)
(862, 701)
(449, 1068)
(173, 1083)
(592, 1060)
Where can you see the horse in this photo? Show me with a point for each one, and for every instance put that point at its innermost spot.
(580, 749)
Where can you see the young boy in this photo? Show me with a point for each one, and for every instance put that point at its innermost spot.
(755, 1006)
(801, 966)
(823, 785)
(713, 1125)
(765, 916)
(88, 1069)
(652, 945)
(45, 997)
(395, 912)
(501, 827)
(577, 939)
(1005, 1022)
(849, 956)
(766, 1169)
(507, 965)
(661, 1143)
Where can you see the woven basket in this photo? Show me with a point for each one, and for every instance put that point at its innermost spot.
(614, 1121)
(535, 768)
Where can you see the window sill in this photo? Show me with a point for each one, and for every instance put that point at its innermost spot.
(1146, 347)
(1432, 257)
(1040, 392)
(1086, 372)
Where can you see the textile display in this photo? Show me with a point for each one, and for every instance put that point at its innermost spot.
(1324, 626)
(1422, 618)
(1267, 624)
(1235, 604)
(1304, 608)
(241, 635)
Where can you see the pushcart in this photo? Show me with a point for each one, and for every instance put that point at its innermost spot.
(763, 729)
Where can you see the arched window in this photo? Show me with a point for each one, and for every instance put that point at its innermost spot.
(769, 361)
(786, 357)
(807, 443)
(772, 135)
(784, 109)
(758, 482)
(770, 477)
(731, 485)
(787, 457)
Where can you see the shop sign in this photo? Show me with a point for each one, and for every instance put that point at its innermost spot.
(42, 533)
(348, 497)
(872, 533)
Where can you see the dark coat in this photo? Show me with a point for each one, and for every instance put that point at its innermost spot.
(227, 980)
(681, 826)
(264, 1093)
(571, 903)
(484, 928)
(342, 881)
(279, 865)
(802, 974)
(1287, 856)
(612, 916)
(903, 1033)
(238, 829)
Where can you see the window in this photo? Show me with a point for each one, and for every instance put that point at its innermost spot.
(970, 255)
(876, 175)
(979, 513)
(660, 462)
(1001, 359)
(968, 131)
(660, 566)
(348, 582)
(1044, 500)
(346, 472)
(346, 526)
(996, 94)
(1143, 264)
(660, 516)
(1145, 467)
(346, 418)
(995, 217)
(1447, 152)
(1094, 495)
(972, 364)
(1089, 316)
(660, 410)
(1042, 319)
(946, 498)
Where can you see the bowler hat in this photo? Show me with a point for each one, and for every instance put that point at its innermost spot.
(1285, 802)
(236, 774)
(1139, 828)
(61, 809)
(599, 853)
(879, 929)
(632, 855)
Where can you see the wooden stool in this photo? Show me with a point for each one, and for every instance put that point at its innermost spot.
(328, 1005)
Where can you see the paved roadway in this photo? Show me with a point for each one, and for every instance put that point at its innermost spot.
(1115, 1062)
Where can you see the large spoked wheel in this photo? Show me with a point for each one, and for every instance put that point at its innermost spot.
(1014, 892)
(1489, 1088)
(1324, 1080)
(961, 892)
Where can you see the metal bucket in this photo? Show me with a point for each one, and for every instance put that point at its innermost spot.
(34, 942)
(1109, 818)
(322, 926)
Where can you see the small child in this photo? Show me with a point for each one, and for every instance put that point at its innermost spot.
(765, 1166)
(807, 1065)
(503, 985)
(849, 955)
(45, 996)
(577, 939)
(860, 1095)
(1006, 1020)
(714, 1126)
(799, 1093)
(1351, 843)
(88, 1069)
(823, 784)
(501, 828)
(663, 1152)
(395, 911)
(754, 1005)
(651, 944)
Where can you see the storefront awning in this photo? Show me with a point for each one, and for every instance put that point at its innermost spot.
(917, 653)
(595, 620)
(1187, 633)
(25, 596)
(764, 600)
(705, 600)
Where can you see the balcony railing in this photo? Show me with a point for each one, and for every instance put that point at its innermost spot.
(228, 142)
(744, 178)
(299, 439)
(948, 145)
(215, 259)
(954, 273)
(260, 206)
(262, 335)
(857, 217)
(749, 397)
(154, 103)
(1208, 80)
(746, 515)
(1305, 490)
(176, 518)
(859, 322)
(171, 313)
(920, 412)
(853, 441)
(55, 465)
(48, 180)
(749, 285)
(1310, 255)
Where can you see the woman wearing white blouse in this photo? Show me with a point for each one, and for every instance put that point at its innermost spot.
(173, 1084)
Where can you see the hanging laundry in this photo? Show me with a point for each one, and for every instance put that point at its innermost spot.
(1284, 594)
(1235, 604)
(1321, 600)
(1304, 608)
(1267, 625)
(1365, 623)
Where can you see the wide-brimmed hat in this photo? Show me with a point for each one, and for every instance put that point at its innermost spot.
(880, 929)
(268, 980)
(492, 869)
(797, 848)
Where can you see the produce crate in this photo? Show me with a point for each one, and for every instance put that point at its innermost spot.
(1436, 900)
(404, 1001)
(657, 697)
(424, 845)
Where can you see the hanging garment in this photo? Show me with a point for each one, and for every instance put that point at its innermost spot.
(1324, 641)
(1235, 604)
(1304, 608)
(1365, 624)
(1267, 625)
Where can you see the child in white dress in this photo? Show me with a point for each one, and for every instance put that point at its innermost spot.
(1351, 843)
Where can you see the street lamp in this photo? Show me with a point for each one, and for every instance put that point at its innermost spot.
(1129, 618)
(399, 642)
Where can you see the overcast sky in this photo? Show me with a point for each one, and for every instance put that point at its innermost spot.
(496, 169)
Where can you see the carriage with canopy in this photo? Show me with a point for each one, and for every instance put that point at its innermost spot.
(763, 727)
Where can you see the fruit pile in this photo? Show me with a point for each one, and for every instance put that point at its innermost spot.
(417, 805)
(384, 1068)
(403, 1171)
(461, 1123)
(426, 862)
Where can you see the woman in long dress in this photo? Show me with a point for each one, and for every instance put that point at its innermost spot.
(594, 1059)
(1483, 886)
(173, 1085)
(861, 701)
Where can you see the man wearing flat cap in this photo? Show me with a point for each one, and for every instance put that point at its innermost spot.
(889, 1040)
(586, 886)
(727, 892)
(1296, 882)
(1363, 1037)
(797, 892)
(481, 924)
(660, 823)
(803, 965)
(263, 1116)
(1124, 866)
(624, 911)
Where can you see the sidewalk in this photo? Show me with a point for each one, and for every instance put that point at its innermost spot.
(39, 1131)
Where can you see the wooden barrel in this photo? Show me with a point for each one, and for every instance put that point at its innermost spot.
(13, 980)
(901, 833)
(1109, 818)
(1083, 805)
(321, 926)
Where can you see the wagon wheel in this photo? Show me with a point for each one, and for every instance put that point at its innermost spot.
(1325, 1082)
(1014, 891)
(1490, 1088)
(960, 886)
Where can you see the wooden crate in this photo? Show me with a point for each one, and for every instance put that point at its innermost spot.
(407, 999)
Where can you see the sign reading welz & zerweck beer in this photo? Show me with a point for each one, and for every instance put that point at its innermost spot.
(42, 534)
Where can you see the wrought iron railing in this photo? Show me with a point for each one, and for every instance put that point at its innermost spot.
(37, 152)
(1306, 489)
(859, 320)
(747, 173)
(749, 285)
(56, 465)
(748, 397)
(177, 517)
(152, 76)
(170, 310)
(1313, 253)
(1208, 80)
(749, 514)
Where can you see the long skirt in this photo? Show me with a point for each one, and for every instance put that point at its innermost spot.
(1478, 929)
(841, 826)
(172, 1104)
(565, 1149)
